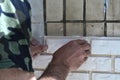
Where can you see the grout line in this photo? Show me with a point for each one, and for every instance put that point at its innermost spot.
(90, 75)
(87, 21)
(84, 18)
(64, 17)
(105, 17)
(100, 55)
(102, 72)
(113, 64)
(92, 55)
(80, 71)
(78, 37)
(45, 16)
(104, 55)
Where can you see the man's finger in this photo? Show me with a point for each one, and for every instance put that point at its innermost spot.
(80, 42)
(85, 47)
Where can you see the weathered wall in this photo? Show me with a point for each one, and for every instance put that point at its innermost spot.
(103, 64)
(74, 11)
(99, 66)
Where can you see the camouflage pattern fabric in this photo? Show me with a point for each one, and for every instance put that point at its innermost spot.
(15, 24)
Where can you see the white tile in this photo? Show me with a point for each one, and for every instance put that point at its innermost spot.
(55, 44)
(103, 76)
(108, 47)
(117, 65)
(96, 64)
(78, 76)
(41, 61)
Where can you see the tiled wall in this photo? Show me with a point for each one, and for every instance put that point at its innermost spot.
(74, 11)
(103, 64)
(94, 11)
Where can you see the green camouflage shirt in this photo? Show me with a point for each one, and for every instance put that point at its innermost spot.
(15, 24)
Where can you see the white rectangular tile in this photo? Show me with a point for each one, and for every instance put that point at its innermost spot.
(103, 76)
(96, 64)
(41, 61)
(108, 47)
(117, 65)
(78, 76)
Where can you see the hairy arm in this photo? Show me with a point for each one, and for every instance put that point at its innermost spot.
(68, 58)
(16, 74)
(55, 72)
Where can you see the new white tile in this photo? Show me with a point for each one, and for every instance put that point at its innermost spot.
(96, 64)
(78, 76)
(41, 61)
(103, 76)
(108, 47)
(117, 65)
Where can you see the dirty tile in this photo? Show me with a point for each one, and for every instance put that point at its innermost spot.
(95, 10)
(95, 29)
(113, 10)
(74, 29)
(55, 29)
(113, 29)
(74, 9)
(54, 10)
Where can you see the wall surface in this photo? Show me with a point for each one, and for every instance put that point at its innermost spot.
(95, 11)
(74, 11)
(104, 62)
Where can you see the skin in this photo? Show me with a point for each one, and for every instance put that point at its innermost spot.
(67, 58)
(37, 48)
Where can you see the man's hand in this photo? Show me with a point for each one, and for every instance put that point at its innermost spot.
(36, 47)
(72, 55)
(68, 58)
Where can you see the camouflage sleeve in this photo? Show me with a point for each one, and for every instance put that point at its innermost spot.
(15, 24)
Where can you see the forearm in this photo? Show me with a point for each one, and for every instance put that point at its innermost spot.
(55, 72)
(16, 74)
